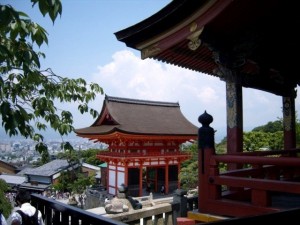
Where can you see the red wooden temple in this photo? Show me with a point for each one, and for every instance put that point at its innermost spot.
(144, 140)
(247, 44)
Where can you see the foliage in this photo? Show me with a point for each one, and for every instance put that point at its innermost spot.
(270, 127)
(268, 136)
(277, 125)
(28, 94)
(188, 175)
(5, 205)
(221, 148)
(44, 153)
(63, 181)
(81, 182)
(254, 141)
(73, 181)
(70, 154)
(90, 156)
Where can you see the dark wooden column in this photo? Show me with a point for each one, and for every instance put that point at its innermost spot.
(289, 122)
(234, 108)
(229, 62)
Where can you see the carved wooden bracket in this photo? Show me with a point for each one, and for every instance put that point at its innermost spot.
(195, 41)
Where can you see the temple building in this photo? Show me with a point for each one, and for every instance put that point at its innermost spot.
(247, 44)
(144, 141)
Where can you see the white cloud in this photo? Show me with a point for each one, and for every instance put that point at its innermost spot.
(130, 77)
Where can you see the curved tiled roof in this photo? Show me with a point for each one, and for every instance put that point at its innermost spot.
(132, 116)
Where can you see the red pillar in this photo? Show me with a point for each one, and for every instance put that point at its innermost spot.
(167, 177)
(141, 179)
(126, 173)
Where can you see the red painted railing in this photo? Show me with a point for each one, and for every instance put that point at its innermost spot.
(249, 190)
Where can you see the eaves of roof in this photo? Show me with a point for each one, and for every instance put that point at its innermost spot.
(210, 35)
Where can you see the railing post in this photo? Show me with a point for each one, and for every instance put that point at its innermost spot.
(180, 197)
(192, 203)
(206, 148)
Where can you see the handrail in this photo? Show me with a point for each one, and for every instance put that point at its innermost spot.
(258, 160)
(56, 212)
(251, 182)
(281, 217)
(267, 152)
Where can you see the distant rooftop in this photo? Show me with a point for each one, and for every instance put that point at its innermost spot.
(13, 179)
(49, 169)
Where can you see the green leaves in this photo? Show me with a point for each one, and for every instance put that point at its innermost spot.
(51, 7)
(28, 95)
(5, 206)
(38, 34)
(256, 140)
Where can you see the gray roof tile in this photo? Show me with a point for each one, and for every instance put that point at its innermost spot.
(50, 168)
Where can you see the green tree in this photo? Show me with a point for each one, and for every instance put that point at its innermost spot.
(270, 127)
(80, 184)
(28, 93)
(5, 205)
(254, 141)
(74, 180)
(268, 136)
(188, 175)
(90, 156)
(63, 182)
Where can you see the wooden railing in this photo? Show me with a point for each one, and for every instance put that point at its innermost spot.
(248, 189)
(282, 217)
(165, 212)
(56, 213)
(158, 214)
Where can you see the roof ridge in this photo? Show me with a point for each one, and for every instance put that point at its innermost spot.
(140, 101)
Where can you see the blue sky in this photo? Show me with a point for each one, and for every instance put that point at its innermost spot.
(82, 44)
